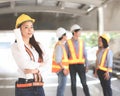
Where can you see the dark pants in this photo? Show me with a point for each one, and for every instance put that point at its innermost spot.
(29, 91)
(80, 69)
(106, 84)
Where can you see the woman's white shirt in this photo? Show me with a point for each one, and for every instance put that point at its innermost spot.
(22, 58)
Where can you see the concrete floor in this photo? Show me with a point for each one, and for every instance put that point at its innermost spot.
(7, 86)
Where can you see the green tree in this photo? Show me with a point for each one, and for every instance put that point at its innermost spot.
(90, 39)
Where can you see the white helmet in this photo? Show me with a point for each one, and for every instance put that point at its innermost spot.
(60, 31)
(74, 27)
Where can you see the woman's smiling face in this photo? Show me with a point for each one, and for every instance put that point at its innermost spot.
(100, 43)
(27, 29)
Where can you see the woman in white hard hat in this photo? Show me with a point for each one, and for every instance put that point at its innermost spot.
(77, 56)
(29, 55)
(104, 63)
(60, 61)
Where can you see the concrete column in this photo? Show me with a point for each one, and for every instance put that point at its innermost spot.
(100, 20)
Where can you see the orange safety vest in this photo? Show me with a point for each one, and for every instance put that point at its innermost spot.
(101, 66)
(76, 58)
(55, 66)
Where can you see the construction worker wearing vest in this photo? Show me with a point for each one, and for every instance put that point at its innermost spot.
(104, 63)
(60, 61)
(78, 62)
(29, 55)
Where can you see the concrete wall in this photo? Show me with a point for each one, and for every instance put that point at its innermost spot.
(112, 16)
(115, 47)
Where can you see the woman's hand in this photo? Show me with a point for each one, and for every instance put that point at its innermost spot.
(17, 30)
(95, 72)
(106, 76)
(86, 69)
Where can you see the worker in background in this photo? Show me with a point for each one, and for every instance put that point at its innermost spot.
(30, 56)
(104, 63)
(78, 62)
(60, 61)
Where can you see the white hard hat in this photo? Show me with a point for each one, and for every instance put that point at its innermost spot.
(74, 27)
(60, 31)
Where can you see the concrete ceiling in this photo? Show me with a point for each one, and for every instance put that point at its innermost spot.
(76, 7)
(51, 14)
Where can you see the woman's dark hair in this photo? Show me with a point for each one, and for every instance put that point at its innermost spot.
(105, 44)
(35, 44)
(62, 36)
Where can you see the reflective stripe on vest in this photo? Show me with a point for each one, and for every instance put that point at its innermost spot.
(55, 66)
(37, 76)
(79, 59)
(30, 54)
(103, 61)
(29, 84)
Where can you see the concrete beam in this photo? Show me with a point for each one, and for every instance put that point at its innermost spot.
(88, 2)
(3, 1)
(33, 8)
